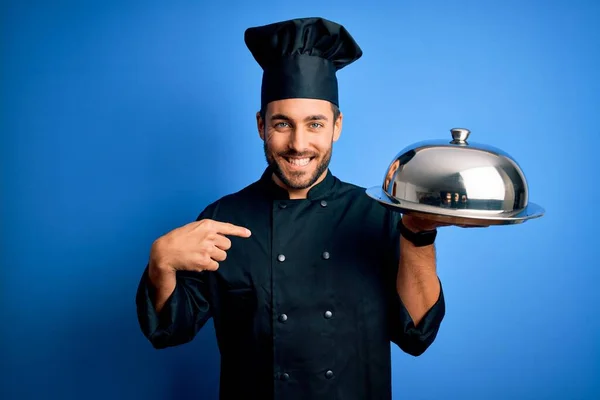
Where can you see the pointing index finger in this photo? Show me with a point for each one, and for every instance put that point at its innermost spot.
(225, 228)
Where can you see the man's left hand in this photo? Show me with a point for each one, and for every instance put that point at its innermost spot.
(418, 224)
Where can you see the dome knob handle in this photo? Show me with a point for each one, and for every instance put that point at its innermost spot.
(459, 135)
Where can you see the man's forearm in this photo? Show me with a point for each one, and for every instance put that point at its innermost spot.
(164, 285)
(417, 282)
(163, 280)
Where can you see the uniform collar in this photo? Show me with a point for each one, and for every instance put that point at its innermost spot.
(319, 191)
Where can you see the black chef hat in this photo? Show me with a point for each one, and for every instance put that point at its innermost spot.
(300, 58)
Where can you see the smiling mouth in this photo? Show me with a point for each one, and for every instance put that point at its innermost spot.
(299, 162)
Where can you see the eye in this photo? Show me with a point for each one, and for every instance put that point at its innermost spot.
(281, 125)
(316, 125)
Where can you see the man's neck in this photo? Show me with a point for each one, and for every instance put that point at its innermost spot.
(298, 194)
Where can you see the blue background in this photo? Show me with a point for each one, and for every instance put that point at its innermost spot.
(122, 120)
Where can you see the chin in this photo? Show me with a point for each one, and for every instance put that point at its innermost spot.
(300, 184)
(297, 179)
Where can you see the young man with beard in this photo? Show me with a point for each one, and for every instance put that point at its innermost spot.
(308, 280)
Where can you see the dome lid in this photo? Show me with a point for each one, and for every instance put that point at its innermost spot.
(457, 182)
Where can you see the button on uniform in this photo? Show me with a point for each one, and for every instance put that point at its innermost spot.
(282, 205)
(328, 314)
(284, 377)
(323, 203)
(325, 255)
(281, 258)
(329, 374)
(283, 318)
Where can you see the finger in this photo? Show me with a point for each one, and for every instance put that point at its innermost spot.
(222, 242)
(218, 254)
(226, 228)
(204, 262)
(212, 265)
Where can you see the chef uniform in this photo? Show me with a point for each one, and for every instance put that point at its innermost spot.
(307, 307)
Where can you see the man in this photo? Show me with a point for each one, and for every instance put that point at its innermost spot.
(308, 280)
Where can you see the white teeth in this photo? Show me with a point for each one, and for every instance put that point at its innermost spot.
(299, 162)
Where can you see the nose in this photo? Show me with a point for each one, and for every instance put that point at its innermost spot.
(299, 140)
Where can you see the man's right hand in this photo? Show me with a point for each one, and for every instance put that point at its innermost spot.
(197, 246)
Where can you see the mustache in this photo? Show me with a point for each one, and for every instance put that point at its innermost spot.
(299, 154)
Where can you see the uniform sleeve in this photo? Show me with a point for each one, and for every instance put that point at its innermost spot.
(183, 315)
(185, 312)
(414, 340)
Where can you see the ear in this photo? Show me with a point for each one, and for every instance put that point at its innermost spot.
(337, 127)
(260, 124)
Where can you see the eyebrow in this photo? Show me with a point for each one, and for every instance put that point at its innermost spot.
(283, 117)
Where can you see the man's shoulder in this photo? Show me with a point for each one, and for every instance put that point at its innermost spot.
(231, 201)
(357, 199)
(353, 191)
(364, 210)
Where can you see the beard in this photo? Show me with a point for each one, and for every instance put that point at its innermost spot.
(297, 180)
